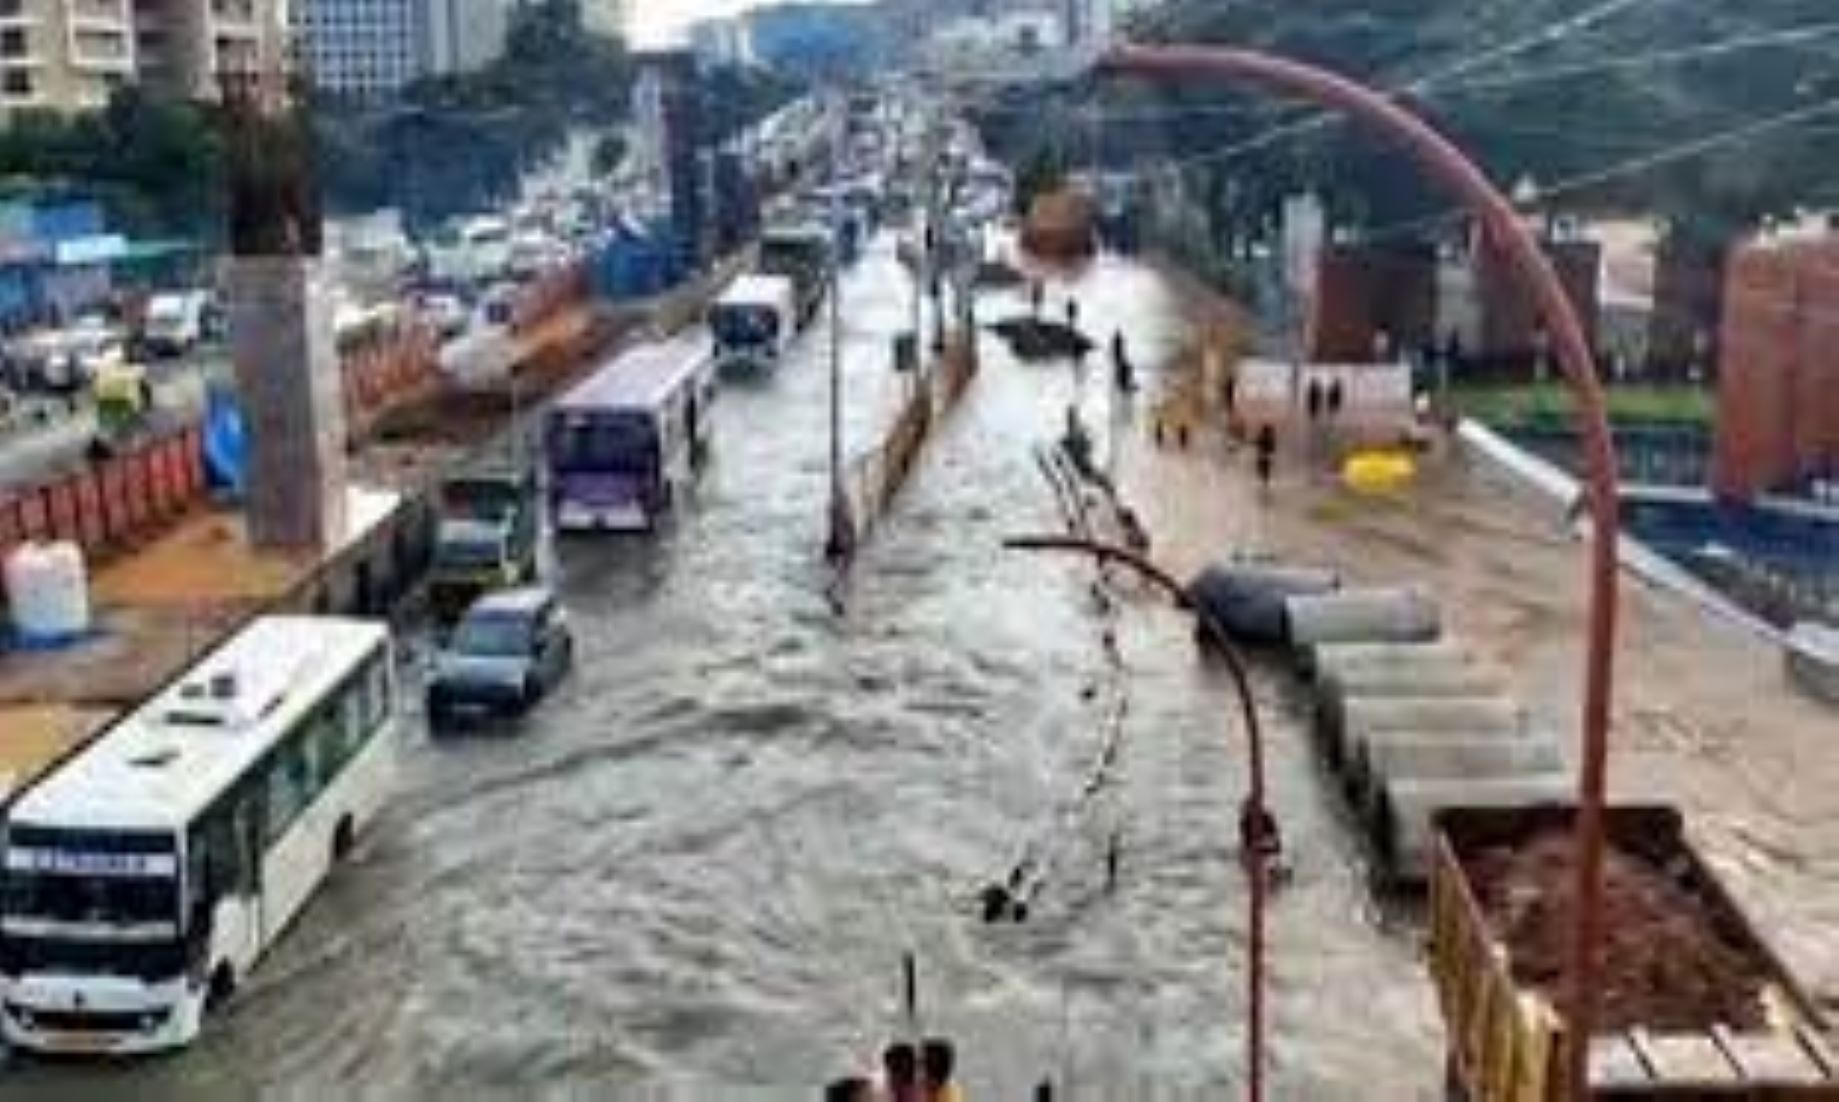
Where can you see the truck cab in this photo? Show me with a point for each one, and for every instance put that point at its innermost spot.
(485, 539)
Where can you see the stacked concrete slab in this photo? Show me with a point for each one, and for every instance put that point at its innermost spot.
(1411, 724)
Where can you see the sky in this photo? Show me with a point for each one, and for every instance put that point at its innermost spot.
(661, 22)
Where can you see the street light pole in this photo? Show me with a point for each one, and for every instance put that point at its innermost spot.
(1498, 216)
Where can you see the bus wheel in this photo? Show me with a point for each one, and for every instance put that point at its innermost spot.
(342, 835)
(222, 986)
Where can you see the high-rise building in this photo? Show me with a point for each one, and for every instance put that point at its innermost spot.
(69, 55)
(366, 49)
(462, 36)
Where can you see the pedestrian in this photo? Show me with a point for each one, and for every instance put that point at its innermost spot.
(1125, 373)
(1036, 296)
(1267, 454)
(852, 1088)
(1072, 312)
(1335, 397)
(1312, 400)
(1114, 858)
(937, 1063)
(900, 1073)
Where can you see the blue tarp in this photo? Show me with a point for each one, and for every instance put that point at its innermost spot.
(226, 449)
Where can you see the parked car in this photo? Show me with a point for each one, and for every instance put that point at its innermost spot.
(64, 361)
(507, 652)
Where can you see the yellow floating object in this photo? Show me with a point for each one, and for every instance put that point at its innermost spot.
(1378, 472)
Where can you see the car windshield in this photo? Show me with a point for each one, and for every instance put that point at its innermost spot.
(492, 635)
(472, 548)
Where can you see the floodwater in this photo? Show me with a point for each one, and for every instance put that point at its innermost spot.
(694, 872)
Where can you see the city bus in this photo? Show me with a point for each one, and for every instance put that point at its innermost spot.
(753, 322)
(623, 442)
(144, 877)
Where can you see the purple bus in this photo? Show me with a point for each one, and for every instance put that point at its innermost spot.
(622, 442)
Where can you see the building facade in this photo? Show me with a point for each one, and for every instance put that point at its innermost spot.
(71, 55)
(364, 49)
(1778, 383)
(462, 36)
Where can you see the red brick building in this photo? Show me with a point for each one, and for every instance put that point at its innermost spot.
(1778, 379)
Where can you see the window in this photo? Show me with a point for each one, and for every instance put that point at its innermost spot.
(11, 8)
(16, 82)
(290, 786)
(13, 42)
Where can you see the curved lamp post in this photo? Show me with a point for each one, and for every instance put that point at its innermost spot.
(1254, 811)
(1442, 161)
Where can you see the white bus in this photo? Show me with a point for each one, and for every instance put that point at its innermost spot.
(754, 321)
(144, 877)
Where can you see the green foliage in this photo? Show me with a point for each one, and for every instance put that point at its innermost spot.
(155, 164)
(1553, 404)
(1598, 118)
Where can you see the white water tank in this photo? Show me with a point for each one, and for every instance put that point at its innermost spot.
(47, 589)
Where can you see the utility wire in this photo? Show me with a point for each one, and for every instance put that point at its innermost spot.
(1635, 165)
(1316, 120)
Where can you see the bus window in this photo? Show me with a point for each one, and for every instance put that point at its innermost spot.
(290, 787)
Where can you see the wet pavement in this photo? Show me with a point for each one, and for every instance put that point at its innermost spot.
(699, 865)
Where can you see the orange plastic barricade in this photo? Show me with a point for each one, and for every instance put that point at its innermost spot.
(34, 521)
(194, 463)
(62, 499)
(114, 502)
(12, 532)
(89, 514)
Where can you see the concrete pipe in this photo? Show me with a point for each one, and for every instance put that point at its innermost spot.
(1248, 599)
(1377, 759)
(1402, 820)
(1334, 694)
(1407, 614)
(1463, 713)
(1319, 656)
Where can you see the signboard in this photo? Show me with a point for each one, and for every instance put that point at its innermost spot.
(64, 862)
(96, 249)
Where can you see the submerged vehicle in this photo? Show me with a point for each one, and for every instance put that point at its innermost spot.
(623, 443)
(509, 649)
(486, 537)
(753, 323)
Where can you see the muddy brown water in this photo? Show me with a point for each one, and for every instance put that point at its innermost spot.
(693, 872)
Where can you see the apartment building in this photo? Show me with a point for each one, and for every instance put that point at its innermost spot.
(70, 55)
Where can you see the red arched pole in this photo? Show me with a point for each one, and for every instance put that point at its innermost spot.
(1447, 164)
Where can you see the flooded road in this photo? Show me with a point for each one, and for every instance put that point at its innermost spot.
(697, 867)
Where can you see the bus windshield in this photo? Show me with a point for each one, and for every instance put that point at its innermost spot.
(105, 900)
(609, 443)
(740, 324)
(90, 877)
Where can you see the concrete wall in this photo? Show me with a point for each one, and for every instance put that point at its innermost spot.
(1362, 291)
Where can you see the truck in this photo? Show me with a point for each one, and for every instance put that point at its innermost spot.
(485, 537)
(1694, 1004)
(803, 253)
(175, 323)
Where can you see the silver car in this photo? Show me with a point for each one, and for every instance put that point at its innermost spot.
(508, 650)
